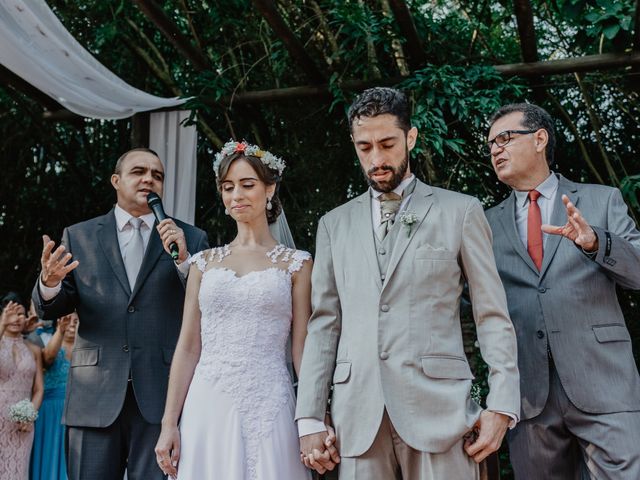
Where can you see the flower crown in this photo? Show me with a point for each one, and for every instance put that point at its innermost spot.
(267, 158)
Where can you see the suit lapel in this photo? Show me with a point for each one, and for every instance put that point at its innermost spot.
(108, 240)
(558, 217)
(508, 221)
(151, 256)
(361, 220)
(420, 203)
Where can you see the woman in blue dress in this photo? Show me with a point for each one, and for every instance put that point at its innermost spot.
(47, 456)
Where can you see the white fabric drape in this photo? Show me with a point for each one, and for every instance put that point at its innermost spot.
(37, 47)
(176, 146)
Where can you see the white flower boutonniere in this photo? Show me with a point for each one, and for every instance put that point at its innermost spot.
(408, 219)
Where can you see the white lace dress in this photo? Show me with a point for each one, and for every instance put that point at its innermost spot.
(238, 418)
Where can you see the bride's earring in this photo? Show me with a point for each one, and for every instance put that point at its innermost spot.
(269, 205)
(226, 212)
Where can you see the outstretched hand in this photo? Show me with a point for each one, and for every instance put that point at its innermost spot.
(576, 229)
(55, 264)
(490, 429)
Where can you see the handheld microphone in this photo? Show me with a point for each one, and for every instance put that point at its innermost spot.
(155, 204)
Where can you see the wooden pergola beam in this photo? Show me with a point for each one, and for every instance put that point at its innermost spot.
(590, 63)
(293, 45)
(413, 47)
(526, 30)
(170, 30)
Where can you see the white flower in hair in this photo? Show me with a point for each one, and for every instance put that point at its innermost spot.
(267, 158)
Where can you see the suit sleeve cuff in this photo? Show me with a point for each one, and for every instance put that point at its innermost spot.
(309, 425)
(48, 293)
(183, 268)
(514, 418)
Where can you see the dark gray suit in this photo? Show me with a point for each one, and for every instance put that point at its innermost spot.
(577, 371)
(123, 335)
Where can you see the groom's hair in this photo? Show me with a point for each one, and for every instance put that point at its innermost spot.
(379, 101)
(533, 118)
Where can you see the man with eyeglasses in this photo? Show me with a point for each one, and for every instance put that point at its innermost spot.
(562, 248)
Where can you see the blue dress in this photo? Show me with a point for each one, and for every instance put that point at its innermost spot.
(47, 456)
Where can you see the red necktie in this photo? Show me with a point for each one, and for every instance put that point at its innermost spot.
(534, 230)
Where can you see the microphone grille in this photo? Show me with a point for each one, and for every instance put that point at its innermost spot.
(152, 198)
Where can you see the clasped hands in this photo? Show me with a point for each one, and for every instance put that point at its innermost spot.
(318, 450)
(576, 229)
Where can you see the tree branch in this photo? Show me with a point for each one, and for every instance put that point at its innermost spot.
(170, 30)
(295, 48)
(417, 55)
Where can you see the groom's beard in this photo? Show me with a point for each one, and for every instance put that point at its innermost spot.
(396, 177)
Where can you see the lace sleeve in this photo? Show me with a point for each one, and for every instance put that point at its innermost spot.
(297, 259)
(199, 260)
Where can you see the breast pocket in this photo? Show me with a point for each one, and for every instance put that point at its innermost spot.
(431, 253)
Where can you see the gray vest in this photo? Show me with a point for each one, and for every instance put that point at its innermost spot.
(385, 247)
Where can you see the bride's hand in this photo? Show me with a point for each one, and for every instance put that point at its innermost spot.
(168, 450)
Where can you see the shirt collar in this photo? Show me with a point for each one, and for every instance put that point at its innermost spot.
(122, 218)
(547, 189)
(399, 189)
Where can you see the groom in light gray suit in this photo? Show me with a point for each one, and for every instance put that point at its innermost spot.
(579, 382)
(385, 331)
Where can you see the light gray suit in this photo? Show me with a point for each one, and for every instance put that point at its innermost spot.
(571, 310)
(396, 344)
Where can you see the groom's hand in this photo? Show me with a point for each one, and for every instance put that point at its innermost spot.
(491, 427)
(315, 450)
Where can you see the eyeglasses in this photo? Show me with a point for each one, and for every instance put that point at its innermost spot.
(502, 139)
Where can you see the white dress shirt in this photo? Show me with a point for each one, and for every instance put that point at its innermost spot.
(124, 232)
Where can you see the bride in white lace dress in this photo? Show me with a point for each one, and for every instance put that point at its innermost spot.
(230, 391)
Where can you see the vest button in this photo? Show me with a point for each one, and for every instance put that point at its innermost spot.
(384, 355)
(540, 334)
(125, 348)
(131, 309)
(382, 251)
(384, 308)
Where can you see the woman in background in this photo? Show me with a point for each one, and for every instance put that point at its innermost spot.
(47, 458)
(20, 379)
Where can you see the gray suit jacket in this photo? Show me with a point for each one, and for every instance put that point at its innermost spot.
(570, 307)
(121, 332)
(398, 345)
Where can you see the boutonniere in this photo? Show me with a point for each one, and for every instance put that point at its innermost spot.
(408, 219)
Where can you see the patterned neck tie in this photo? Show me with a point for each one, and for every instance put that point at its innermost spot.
(389, 206)
(134, 252)
(534, 230)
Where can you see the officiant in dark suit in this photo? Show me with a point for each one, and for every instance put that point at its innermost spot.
(116, 272)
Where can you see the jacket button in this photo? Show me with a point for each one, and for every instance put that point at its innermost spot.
(125, 348)
(131, 309)
(382, 251)
(384, 355)
(542, 289)
(540, 334)
(384, 308)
